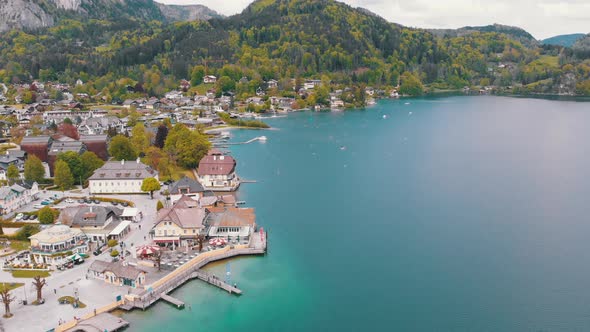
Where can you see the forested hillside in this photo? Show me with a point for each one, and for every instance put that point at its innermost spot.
(285, 40)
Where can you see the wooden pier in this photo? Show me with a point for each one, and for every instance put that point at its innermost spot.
(213, 280)
(179, 304)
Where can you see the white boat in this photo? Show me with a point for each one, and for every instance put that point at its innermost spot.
(262, 138)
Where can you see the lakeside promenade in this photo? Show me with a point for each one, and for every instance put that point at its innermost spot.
(190, 270)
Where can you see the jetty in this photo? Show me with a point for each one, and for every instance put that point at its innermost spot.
(179, 304)
(101, 322)
(222, 144)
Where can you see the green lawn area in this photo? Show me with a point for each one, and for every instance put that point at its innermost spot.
(29, 273)
(70, 300)
(10, 285)
(548, 60)
(19, 245)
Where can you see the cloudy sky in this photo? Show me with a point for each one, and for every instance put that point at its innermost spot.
(542, 18)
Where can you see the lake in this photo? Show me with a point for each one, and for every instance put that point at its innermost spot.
(441, 214)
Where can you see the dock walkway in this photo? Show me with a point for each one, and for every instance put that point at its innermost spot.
(179, 304)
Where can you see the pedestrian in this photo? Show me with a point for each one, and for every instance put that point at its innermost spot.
(54, 291)
(144, 237)
(139, 226)
(94, 312)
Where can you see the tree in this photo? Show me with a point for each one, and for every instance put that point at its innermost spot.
(159, 205)
(411, 85)
(197, 75)
(112, 242)
(161, 136)
(34, 170)
(115, 253)
(133, 118)
(74, 163)
(46, 215)
(121, 148)
(63, 176)
(139, 138)
(39, 282)
(69, 130)
(26, 231)
(157, 257)
(225, 84)
(12, 173)
(68, 121)
(150, 185)
(200, 241)
(7, 298)
(188, 147)
(90, 163)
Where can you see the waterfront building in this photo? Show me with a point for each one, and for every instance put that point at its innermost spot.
(218, 172)
(180, 224)
(99, 223)
(117, 273)
(120, 177)
(230, 222)
(55, 245)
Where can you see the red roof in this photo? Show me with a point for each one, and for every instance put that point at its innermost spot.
(216, 164)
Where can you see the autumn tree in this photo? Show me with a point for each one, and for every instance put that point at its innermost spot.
(139, 138)
(69, 130)
(34, 170)
(159, 205)
(63, 176)
(90, 163)
(7, 298)
(12, 173)
(39, 282)
(46, 215)
(411, 85)
(188, 147)
(150, 185)
(122, 149)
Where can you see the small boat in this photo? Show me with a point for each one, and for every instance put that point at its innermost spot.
(343, 148)
(385, 116)
(262, 138)
(241, 202)
(225, 135)
(406, 103)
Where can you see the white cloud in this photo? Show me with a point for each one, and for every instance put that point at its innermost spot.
(542, 19)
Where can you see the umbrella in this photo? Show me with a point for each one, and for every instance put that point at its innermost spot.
(146, 250)
(75, 257)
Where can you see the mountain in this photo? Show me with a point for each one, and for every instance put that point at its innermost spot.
(515, 33)
(34, 14)
(563, 40)
(187, 12)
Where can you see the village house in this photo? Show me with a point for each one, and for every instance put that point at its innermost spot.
(6, 160)
(185, 186)
(117, 273)
(272, 84)
(120, 177)
(17, 195)
(55, 245)
(180, 224)
(218, 172)
(230, 222)
(310, 84)
(209, 79)
(99, 223)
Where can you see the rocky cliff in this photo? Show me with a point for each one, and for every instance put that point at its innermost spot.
(187, 13)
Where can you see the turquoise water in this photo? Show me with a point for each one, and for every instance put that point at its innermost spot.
(453, 214)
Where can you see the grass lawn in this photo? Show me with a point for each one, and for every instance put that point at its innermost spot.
(10, 285)
(29, 273)
(19, 245)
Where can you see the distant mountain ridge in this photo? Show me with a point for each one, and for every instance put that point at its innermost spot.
(34, 14)
(512, 32)
(563, 40)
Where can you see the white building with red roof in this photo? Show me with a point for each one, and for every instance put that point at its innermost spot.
(217, 172)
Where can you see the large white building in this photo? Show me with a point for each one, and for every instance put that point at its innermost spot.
(218, 172)
(120, 177)
(55, 245)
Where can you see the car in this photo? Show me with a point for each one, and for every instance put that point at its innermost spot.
(19, 216)
(38, 206)
(26, 217)
(33, 217)
(46, 203)
(125, 204)
(96, 201)
(114, 203)
(81, 200)
(69, 201)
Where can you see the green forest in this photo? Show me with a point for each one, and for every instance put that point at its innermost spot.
(289, 41)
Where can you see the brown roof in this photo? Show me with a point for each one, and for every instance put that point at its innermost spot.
(232, 217)
(120, 270)
(184, 213)
(215, 163)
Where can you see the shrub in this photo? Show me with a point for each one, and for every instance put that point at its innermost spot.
(46, 215)
(159, 206)
(112, 243)
(114, 253)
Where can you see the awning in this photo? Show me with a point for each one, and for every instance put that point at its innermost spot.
(167, 239)
(120, 228)
(129, 212)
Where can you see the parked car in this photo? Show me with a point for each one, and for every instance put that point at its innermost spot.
(81, 200)
(114, 203)
(46, 203)
(19, 216)
(125, 204)
(26, 217)
(96, 201)
(33, 217)
(69, 201)
(38, 206)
